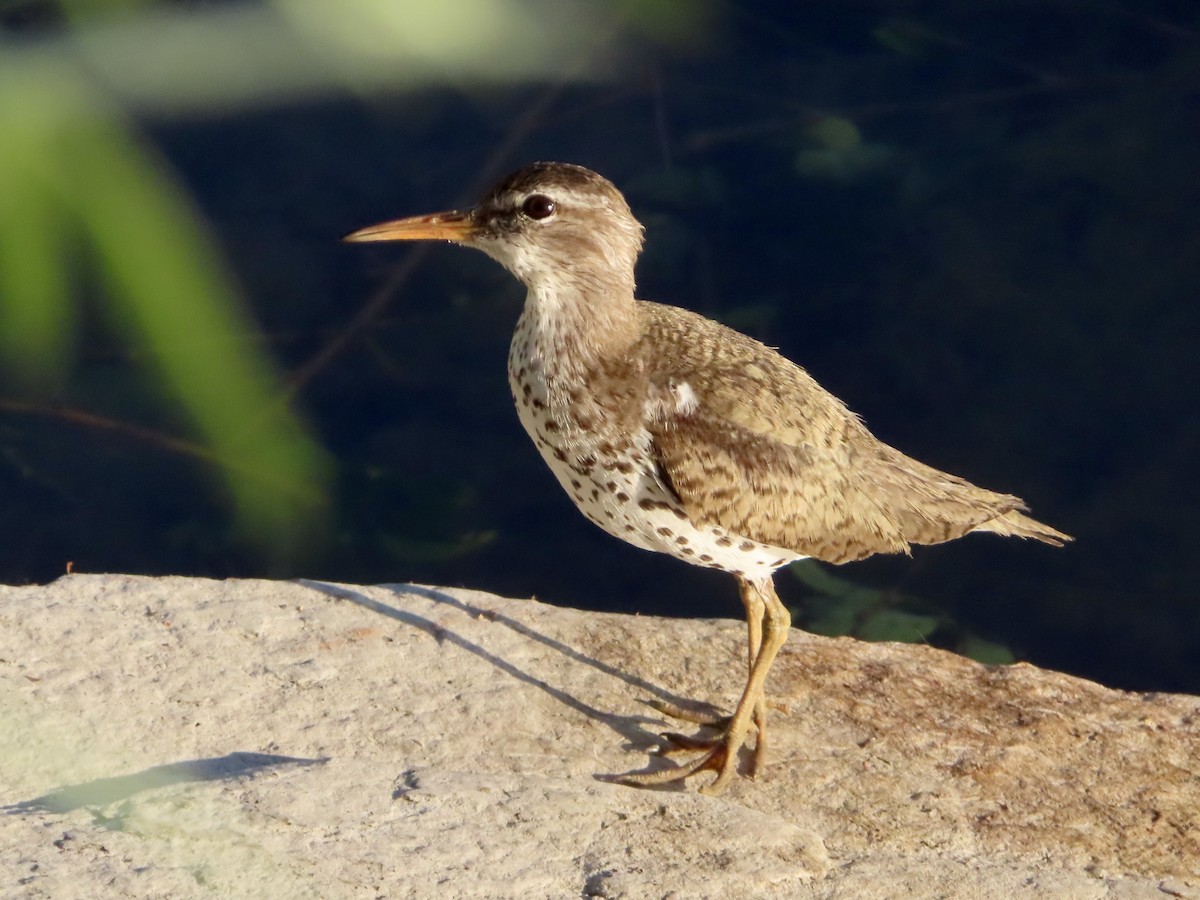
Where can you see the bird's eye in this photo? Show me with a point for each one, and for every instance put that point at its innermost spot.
(538, 206)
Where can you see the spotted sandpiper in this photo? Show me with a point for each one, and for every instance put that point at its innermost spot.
(677, 434)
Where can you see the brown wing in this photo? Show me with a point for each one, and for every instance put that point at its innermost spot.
(768, 454)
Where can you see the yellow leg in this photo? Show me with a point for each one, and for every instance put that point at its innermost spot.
(754, 606)
(753, 705)
(753, 602)
(768, 622)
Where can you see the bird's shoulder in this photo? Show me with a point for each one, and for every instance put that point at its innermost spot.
(711, 375)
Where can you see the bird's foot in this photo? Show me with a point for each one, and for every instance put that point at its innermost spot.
(768, 622)
(695, 716)
(717, 756)
(712, 719)
(718, 753)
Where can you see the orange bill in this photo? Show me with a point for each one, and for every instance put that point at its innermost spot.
(443, 226)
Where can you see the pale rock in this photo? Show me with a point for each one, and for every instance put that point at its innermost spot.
(179, 737)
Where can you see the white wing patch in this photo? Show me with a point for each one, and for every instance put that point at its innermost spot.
(686, 401)
(676, 399)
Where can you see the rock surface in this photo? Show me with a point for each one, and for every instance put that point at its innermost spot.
(178, 737)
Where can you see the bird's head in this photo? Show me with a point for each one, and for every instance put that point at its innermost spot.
(550, 224)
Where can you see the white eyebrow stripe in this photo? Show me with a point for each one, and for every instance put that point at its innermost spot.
(559, 194)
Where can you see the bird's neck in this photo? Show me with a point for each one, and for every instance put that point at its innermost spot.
(573, 326)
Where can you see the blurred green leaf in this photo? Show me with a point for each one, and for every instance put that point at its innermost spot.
(410, 550)
(678, 22)
(839, 607)
(37, 311)
(897, 625)
(78, 11)
(75, 161)
(834, 150)
(907, 38)
(834, 133)
(988, 652)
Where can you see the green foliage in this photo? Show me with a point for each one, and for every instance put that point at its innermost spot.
(417, 551)
(838, 606)
(37, 315)
(74, 175)
(82, 10)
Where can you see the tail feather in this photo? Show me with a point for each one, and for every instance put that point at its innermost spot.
(1017, 524)
(934, 506)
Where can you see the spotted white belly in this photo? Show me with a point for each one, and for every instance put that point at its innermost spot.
(612, 481)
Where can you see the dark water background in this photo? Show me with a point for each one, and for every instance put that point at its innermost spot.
(978, 224)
